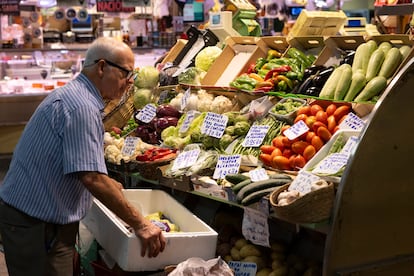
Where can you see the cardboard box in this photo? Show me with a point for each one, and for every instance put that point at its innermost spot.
(235, 59)
(196, 238)
(310, 45)
(319, 23)
(278, 43)
(335, 47)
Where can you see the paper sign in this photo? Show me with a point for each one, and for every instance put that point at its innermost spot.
(184, 99)
(303, 182)
(147, 113)
(255, 136)
(214, 124)
(296, 130)
(258, 174)
(130, 144)
(350, 145)
(255, 227)
(352, 121)
(185, 159)
(243, 268)
(331, 164)
(227, 164)
(189, 117)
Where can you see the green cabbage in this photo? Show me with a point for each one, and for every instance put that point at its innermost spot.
(148, 77)
(206, 57)
(142, 97)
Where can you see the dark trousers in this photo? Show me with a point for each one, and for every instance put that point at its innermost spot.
(34, 247)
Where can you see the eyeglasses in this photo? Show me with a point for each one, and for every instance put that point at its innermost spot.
(130, 74)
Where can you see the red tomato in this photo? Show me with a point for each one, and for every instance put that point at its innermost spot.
(322, 116)
(281, 163)
(278, 142)
(299, 117)
(309, 136)
(317, 142)
(341, 112)
(266, 159)
(331, 123)
(306, 109)
(299, 146)
(330, 109)
(317, 125)
(276, 152)
(309, 152)
(315, 108)
(268, 149)
(287, 153)
(299, 161)
(310, 121)
(324, 133)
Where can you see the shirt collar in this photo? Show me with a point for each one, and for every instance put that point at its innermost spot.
(94, 91)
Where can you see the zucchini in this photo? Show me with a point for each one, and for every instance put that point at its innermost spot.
(361, 50)
(259, 185)
(344, 82)
(372, 45)
(328, 89)
(256, 196)
(280, 176)
(357, 84)
(235, 178)
(405, 51)
(385, 46)
(373, 88)
(391, 62)
(240, 185)
(374, 64)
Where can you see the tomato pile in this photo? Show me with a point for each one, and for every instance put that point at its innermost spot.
(286, 154)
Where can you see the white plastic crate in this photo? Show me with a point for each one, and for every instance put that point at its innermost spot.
(196, 238)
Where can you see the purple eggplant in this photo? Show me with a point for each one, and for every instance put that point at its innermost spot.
(162, 123)
(166, 110)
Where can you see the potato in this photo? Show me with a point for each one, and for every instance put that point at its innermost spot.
(240, 243)
(235, 254)
(223, 249)
(263, 272)
(259, 261)
(277, 247)
(280, 271)
(228, 258)
(277, 256)
(249, 250)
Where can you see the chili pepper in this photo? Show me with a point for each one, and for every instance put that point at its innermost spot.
(264, 84)
(251, 69)
(256, 77)
(288, 81)
(276, 71)
(271, 53)
(259, 64)
(244, 82)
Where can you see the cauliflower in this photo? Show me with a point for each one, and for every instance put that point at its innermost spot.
(204, 100)
(221, 104)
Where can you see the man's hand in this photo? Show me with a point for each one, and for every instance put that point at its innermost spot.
(151, 238)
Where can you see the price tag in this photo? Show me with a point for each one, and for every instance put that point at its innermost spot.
(189, 117)
(185, 159)
(303, 182)
(243, 268)
(147, 113)
(227, 164)
(214, 124)
(331, 164)
(352, 121)
(258, 174)
(350, 145)
(296, 130)
(255, 136)
(130, 144)
(255, 227)
(184, 99)
(164, 95)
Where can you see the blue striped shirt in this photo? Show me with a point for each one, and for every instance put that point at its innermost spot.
(63, 136)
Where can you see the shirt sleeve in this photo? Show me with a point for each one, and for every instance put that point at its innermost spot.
(83, 141)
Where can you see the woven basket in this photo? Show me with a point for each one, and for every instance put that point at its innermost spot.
(118, 112)
(312, 207)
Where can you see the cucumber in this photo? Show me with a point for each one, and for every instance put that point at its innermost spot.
(391, 62)
(373, 88)
(256, 196)
(240, 185)
(405, 51)
(344, 82)
(374, 64)
(259, 185)
(280, 176)
(328, 89)
(235, 178)
(357, 84)
(385, 46)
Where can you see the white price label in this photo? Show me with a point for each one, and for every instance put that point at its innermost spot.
(130, 144)
(303, 182)
(296, 130)
(331, 164)
(214, 124)
(227, 164)
(255, 136)
(147, 113)
(352, 121)
(255, 227)
(350, 145)
(258, 174)
(184, 99)
(185, 159)
(243, 268)
(189, 117)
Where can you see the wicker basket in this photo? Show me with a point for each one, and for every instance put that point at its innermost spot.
(118, 112)
(312, 207)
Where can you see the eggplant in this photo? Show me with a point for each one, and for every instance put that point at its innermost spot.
(166, 110)
(313, 91)
(304, 86)
(348, 58)
(162, 123)
(143, 131)
(322, 76)
(312, 70)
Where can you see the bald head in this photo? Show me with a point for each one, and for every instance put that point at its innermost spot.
(106, 48)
